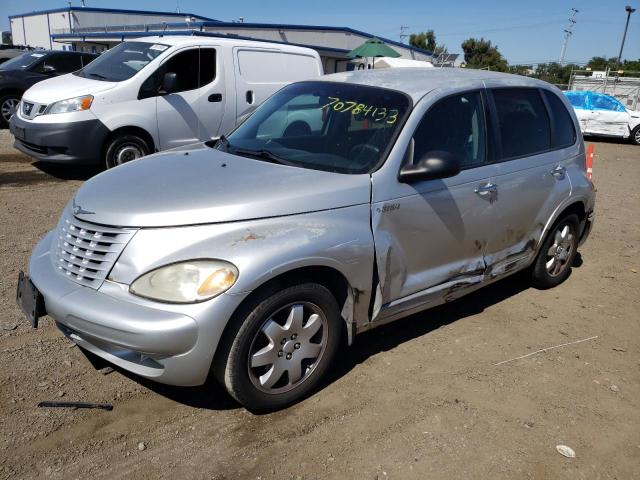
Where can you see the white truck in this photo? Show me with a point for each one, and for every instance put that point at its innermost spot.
(153, 94)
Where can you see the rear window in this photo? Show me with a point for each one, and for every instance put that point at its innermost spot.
(564, 134)
(523, 122)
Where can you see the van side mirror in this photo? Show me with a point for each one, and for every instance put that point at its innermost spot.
(48, 69)
(169, 83)
(432, 165)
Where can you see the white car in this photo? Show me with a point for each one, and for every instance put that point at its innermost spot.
(603, 115)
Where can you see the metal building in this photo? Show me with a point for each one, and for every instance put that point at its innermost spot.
(97, 29)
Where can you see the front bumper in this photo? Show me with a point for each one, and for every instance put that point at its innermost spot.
(162, 345)
(71, 142)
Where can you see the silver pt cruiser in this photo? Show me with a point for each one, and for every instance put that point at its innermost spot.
(339, 205)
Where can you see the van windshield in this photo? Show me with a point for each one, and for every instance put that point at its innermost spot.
(122, 62)
(336, 127)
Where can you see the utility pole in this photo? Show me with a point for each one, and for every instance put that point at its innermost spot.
(629, 11)
(567, 33)
(403, 33)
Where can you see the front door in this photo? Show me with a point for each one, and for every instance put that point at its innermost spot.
(607, 116)
(536, 141)
(193, 111)
(430, 236)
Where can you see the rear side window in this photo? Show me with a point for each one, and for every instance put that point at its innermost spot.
(522, 121)
(265, 66)
(564, 134)
(455, 125)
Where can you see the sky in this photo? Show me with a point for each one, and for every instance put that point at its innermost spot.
(525, 32)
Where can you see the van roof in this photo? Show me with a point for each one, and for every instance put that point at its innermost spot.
(417, 82)
(184, 40)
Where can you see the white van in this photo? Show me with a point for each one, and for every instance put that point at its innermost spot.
(152, 94)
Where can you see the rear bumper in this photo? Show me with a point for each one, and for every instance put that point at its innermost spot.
(71, 142)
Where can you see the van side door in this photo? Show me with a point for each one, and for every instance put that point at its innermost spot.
(430, 235)
(536, 144)
(260, 72)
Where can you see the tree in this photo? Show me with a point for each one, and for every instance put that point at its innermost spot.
(424, 40)
(481, 54)
(601, 63)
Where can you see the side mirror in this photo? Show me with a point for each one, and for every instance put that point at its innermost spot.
(169, 83)
(48, 69)
(434, 164)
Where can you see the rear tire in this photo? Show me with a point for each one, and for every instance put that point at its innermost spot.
(125, 147)
(8, 105)
(635, 135)
(280, 345)
(558, 252)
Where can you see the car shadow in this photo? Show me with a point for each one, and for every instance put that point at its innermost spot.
(67, 172)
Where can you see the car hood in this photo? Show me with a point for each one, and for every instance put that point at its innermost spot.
(202, 185)
(66, 86)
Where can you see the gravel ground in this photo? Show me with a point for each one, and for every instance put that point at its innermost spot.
(420, 398)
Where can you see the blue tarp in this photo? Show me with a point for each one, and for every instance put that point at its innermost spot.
(587, 100)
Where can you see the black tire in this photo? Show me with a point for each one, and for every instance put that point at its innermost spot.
(124, 148)
(231, 365)
(5, 101)
(635, 136)
(543, 273)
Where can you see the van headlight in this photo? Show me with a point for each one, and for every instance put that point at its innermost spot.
(76, 104)
(186, 282)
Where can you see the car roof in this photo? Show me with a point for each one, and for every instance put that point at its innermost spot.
(186, 40)
(417, 82)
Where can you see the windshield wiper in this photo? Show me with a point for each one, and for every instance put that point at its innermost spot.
(262, 153)
(97, 75)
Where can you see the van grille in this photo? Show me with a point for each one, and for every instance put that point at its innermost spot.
(85, 252)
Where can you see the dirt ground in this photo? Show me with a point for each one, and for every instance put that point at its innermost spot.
(420, 398)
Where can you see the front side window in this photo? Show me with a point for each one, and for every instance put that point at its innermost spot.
(455, 125)
(122, 61)
(523, 122)
(63, 62)
(564, 134)
(604, 102)
(336, 127)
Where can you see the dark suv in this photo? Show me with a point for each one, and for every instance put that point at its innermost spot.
(23, 71)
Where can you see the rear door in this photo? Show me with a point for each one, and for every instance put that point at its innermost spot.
(430, 235)
(607, 116)
(534, 148)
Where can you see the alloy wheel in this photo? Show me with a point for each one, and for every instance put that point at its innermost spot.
(287, 348)
(560, 251)
(8, 108)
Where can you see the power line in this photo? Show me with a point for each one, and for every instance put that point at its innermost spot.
(567, 33)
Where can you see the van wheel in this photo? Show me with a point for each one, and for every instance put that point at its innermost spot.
(8, 105)
(124, 148)
(635, 135)
(281, 346)
(553, 264)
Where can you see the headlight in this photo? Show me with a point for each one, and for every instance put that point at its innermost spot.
(71, 105)
(186, 282)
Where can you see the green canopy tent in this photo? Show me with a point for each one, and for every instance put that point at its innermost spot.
(374, 47)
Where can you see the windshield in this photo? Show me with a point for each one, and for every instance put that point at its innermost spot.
(122, 62)
(21, 62)
(336, 127)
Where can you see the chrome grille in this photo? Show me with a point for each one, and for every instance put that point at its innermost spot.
(85, 252)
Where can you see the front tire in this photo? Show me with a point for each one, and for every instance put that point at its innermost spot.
(124, 148)
(558, 252)
(8, 105)
(280, 346)
(635, 135)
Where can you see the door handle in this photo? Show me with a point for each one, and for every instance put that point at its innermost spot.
(558, 171)
(215, 97)
(486, 189)
(249, 97)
